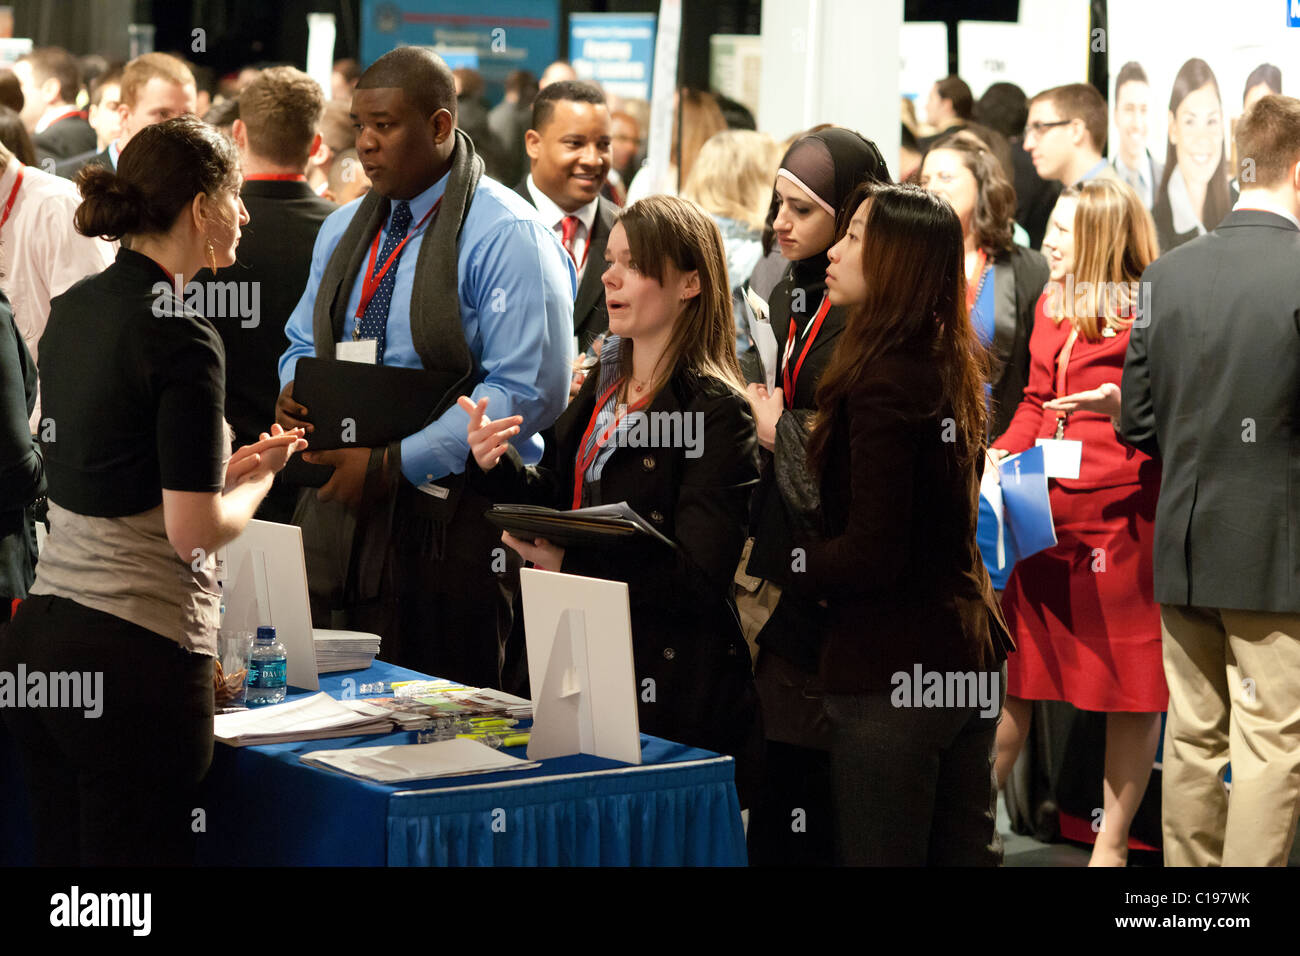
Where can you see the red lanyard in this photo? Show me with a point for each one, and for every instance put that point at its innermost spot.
(275, 177)
(67, 115)
(13, 194)
(370, 282)
(584, 460)
(790, 379)
(1062, 362)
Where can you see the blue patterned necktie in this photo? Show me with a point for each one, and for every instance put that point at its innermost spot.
(374, 322)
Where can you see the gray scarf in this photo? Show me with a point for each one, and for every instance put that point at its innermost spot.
(436, 328)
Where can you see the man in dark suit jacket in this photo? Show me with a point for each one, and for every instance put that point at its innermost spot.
(276, 133)
(1212, 386)
(155, 87)
(50, 83)
(570, 151)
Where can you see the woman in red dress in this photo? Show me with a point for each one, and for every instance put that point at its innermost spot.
(1082, 613)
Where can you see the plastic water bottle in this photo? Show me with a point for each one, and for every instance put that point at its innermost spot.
(268, 670)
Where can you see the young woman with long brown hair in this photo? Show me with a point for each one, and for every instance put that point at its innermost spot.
(670, 352)
(899, 447)
(1083, 612)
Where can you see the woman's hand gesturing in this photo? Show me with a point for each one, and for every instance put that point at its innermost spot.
(488, 438)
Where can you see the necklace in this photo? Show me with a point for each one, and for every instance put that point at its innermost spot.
(638, 386)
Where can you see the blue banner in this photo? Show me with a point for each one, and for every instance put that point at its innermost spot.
(492, 36)
(615, 50)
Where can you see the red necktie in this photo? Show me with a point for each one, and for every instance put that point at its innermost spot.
(569, 228)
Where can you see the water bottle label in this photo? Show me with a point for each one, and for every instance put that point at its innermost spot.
(268, 674)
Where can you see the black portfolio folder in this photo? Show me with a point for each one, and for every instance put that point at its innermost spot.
(355, 405)
(598, 526)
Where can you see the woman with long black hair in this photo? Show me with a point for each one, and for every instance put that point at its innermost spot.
(898, 445)
(810, 202)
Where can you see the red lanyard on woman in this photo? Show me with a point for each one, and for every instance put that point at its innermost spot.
(13, 194)
(584, 459)
(370, 283)
(1062, 361)
(275, 177)
(790, 378)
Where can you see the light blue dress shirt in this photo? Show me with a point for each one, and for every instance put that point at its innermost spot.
(516, 286)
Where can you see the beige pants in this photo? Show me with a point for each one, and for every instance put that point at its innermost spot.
(1234, 697)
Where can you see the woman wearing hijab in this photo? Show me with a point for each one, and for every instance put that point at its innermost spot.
(816, 177)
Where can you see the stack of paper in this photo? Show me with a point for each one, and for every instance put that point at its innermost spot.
(313, 718)
(344, 650)
(405, 762)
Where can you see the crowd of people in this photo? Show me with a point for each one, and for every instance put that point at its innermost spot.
(862, 349)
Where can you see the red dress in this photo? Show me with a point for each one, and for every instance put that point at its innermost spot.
(1082, 613)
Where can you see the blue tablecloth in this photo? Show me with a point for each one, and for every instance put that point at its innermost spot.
(262, 806)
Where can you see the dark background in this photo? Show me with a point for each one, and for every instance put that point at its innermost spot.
(242, 32)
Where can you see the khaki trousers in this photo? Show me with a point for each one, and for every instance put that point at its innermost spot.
(1234, 697)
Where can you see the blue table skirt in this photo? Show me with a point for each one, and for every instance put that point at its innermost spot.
(264, 807)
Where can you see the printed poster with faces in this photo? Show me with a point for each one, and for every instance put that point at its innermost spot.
(1204, 62)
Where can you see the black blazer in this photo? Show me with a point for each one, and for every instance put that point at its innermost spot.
(1211, 386)
(22, 466)
(795, 628)
(69, 168)
(275, 253)
(590, 317)
(686, 634)
(68, 137)
(1016, 293)
(899, 566)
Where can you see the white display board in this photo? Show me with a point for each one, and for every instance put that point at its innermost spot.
(922, 61)
(1047, 47)
(580, 667)
(264, 578)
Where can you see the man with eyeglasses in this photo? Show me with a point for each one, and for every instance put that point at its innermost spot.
(1065, 134)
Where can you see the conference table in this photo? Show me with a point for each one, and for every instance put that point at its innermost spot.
(263, 807)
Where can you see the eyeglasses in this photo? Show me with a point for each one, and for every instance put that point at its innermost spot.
(1037, 129)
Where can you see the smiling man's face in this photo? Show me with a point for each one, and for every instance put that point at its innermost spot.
(572, 153)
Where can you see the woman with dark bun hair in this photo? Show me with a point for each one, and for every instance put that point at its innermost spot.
(143, 490)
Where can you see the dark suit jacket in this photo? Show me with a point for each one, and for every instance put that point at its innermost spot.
(22, 467)
(590, 317)
(686, 635)
(1035, 196)
(1212, 387)
(1019, 276)
(68, 137)
(275, 253)
(69, 168)
(899, 566)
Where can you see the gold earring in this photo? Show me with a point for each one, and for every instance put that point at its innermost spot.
(212, 256)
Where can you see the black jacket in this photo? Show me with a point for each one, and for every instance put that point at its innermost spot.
(899, 566)
(685, 633)
(69, 168)
(68, 137)
(795, 629)
(590, 317)
(275, 253)
(1211, 386)
(22, 467)
(1016, 294)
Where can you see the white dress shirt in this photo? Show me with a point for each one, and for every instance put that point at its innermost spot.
(41, 253)
(1267, 205)
(554, 216)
